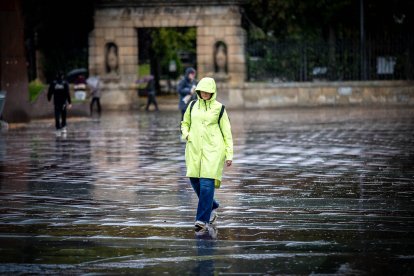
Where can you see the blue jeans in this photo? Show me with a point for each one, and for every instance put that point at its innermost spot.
(204, 188)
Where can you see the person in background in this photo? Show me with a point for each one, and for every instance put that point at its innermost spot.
(96, 94)
(59, 90)
(186, 88)
(151, 93)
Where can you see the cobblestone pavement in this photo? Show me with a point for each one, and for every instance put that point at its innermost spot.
(311, 191)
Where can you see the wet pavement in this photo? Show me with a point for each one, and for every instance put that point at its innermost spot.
(311, 191)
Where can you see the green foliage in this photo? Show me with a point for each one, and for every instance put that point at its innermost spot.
(35, 88)
(168, 42)
(299, 20)
(144, 70)
(312, 20)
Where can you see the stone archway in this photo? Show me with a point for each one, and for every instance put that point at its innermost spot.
(117, 24)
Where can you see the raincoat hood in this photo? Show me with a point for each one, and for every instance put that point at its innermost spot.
(207, 85)
(188, 71)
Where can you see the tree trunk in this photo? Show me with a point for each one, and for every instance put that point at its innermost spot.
(13, 71)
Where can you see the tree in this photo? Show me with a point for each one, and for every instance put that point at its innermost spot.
(329, 19)
(59, 29)
(299, 19)
(167, 43)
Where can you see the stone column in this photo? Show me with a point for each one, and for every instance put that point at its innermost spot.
(115, 26)
(235, 39)
(205, 42)
(222, 24)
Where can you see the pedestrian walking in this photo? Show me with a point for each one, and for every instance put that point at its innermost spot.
(95, 85)
(59, 90)
(151, 93)
(186, 89)
(206, 128)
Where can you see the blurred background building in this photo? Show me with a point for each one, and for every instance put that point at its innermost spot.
(263, 53)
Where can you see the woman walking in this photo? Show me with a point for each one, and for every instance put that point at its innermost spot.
(206, 128)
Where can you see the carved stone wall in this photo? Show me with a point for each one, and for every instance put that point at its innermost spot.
(118, 25)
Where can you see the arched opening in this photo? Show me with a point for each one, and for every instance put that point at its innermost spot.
(165, 53)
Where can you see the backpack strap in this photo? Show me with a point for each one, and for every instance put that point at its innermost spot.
(192, 103)
(221, 113)
(219, 118)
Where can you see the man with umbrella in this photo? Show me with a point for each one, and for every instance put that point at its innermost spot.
(59, 89)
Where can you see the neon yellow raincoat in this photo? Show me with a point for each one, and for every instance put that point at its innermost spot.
(207, 146)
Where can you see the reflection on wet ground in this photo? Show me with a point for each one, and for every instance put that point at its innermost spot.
(312, 191)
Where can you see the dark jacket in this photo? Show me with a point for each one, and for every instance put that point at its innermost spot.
(151, 87)
(184, 88)
(59, 89)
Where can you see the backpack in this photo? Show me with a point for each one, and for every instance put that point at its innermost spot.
(220, 115)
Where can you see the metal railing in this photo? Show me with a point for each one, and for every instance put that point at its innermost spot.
(391, 59)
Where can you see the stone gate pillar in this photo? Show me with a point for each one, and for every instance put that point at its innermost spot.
(113, 55)
(222, 24)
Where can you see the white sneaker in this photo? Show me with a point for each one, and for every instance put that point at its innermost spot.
(212, 231)
(64, 130)
(200, 226)
(213, 217)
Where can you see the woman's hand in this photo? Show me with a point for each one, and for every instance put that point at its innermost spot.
(228, 163)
